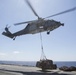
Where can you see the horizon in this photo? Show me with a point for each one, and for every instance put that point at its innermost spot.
(31, 61)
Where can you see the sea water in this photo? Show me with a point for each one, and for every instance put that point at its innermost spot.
(33, 63)
(65, 63)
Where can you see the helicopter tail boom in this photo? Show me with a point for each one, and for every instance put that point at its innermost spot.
(10, 35)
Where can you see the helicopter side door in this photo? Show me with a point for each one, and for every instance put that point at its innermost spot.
(33, 29)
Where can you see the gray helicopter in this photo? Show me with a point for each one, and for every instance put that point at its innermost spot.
(36, 26)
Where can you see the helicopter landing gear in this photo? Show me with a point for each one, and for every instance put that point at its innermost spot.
(14, 38)
(48, 32)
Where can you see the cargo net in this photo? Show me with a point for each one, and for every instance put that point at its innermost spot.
(43, 57)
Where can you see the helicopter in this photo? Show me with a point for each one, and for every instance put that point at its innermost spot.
(36, 26)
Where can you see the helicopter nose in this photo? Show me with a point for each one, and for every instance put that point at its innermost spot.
(62, 24)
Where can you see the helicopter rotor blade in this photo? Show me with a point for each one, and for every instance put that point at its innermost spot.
(29, 4)
(66, 11)
(22, 23)
(7, 26)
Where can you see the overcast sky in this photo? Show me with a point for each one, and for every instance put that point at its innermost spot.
(60, 45)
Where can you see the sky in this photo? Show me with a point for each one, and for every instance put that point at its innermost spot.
(60, 45)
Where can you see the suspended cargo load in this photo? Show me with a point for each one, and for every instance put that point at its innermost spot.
(46, 64)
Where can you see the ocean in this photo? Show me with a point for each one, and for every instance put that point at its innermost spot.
(33, 63)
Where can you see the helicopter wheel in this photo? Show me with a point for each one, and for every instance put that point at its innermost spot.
(14, 38)
(48, 32)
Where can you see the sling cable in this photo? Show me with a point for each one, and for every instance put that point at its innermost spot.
(43, 57)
